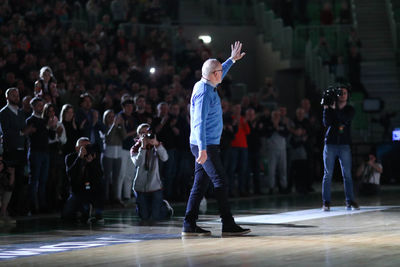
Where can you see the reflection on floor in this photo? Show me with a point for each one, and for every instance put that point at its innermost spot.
(286, 230)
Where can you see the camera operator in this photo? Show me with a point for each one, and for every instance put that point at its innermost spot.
(337, 117)
(87, 187)
(147, 185)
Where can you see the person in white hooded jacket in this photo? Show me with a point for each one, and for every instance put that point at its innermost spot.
(147, 185)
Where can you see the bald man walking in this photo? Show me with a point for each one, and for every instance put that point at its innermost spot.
(205, 134)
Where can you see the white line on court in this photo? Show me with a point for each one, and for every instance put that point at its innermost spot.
(303, 215)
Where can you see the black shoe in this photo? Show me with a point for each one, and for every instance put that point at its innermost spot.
(352, 205)
(326, 206)
(234, 230)
(196, 231)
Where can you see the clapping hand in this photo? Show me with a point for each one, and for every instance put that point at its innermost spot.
(52, 122)
(59, 131)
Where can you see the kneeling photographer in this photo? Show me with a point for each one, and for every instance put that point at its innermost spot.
(86, 181)
(147, 185)
(337, 117)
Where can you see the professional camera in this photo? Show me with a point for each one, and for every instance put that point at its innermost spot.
(150, 134)
(330, 96)
(90, 150)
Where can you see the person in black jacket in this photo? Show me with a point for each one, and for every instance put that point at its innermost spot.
(299, 158)
(254, 146)
(229, 131)
(165, 127)
(38, 153)
(337, 119)
(15, 131)
(87, 119)
(86, 180)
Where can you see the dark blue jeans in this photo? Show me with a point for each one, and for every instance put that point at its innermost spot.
(184, 160)
(150, 205)
(254, 167)
(213, 170)
(81, 202)
(331, 152)
(39, 165)
(168, 170)
(238, 161)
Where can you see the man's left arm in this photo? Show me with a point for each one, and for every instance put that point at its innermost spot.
(162, 153)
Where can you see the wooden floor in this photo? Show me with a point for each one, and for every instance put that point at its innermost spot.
(286, 231)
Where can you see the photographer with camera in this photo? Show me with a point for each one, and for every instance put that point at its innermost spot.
(147, 185)
(369, 175)
(86, 180)
(337, 117)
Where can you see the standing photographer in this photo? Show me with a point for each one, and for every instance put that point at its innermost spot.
(337, 117)
(147, 184)
(87, 187)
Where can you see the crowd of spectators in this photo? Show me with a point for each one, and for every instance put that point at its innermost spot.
(75, 83)
(338, 47)
(346, 65)
(304, 12)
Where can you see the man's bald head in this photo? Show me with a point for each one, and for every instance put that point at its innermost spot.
(209, 66)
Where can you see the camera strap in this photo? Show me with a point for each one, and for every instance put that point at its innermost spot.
(147, 160)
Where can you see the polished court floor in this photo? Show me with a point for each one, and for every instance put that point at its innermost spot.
(287, 230)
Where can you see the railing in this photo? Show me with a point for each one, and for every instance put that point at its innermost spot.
(335, 36)
(392, 25)
(318, 72)
(353, 13)
(307, 38)
(223, 12)
(300, 43)
(273, 30)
